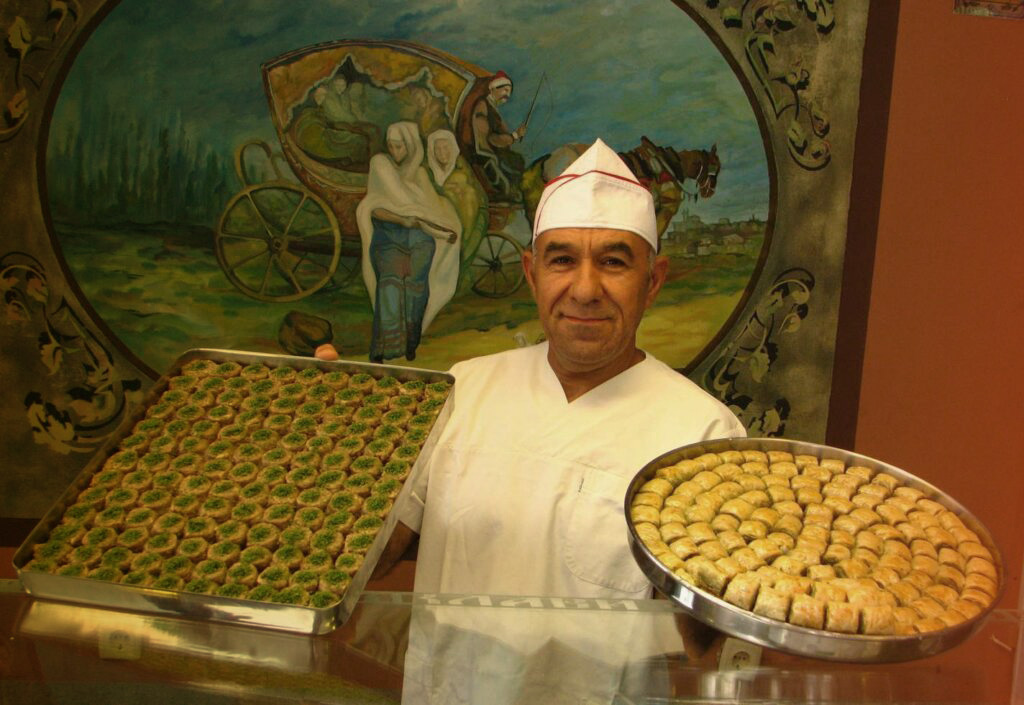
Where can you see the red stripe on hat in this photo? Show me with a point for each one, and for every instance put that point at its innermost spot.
(593, 171)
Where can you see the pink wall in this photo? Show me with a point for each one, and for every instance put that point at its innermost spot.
(943, 376)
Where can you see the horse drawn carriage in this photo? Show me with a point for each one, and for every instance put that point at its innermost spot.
(292, 228)
(291, 232)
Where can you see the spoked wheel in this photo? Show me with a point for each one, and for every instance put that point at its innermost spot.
(278, 241)
(496, 268)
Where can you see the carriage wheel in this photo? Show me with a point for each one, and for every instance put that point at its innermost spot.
(278, 241)
(496, 268)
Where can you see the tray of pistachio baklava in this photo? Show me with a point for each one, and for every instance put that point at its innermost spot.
(248, 488)
(812, 549)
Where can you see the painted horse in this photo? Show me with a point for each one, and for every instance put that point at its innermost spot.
(662, 170)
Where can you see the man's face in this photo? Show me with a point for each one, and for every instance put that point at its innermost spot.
(501, 94)
(592, 286)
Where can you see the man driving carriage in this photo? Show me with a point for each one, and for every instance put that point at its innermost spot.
(484, 135)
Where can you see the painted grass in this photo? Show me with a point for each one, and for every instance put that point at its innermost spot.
(161, 291)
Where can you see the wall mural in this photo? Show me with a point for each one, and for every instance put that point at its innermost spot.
(368, 178)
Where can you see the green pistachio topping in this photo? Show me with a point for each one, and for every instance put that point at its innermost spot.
(376, 504)
(107, 573)
(260, 533)
(406, 452)
(73, 570)
(367, 523)
(231, 590)
(167, 582)
(360, 541)
(200, 586)
(192, 546)
(279, 511)
(261, 593)
(240, 571)
(322, 599)
(132, 536)
(319, 392)
(177, 565)
(335, 577)
(212, 384)
(234, 432)
(210, 566)
(262, 387)
(295, 534)
(284, 491)
(171, 520)
(112, 515)
(338, 519)
(375, 400)
(317, 559)
(255, 370)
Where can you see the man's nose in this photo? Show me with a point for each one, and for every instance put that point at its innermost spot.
(586, 283)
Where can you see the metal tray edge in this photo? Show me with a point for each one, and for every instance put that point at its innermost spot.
(804, 641)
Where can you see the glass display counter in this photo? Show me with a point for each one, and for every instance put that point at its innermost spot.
(417, 648)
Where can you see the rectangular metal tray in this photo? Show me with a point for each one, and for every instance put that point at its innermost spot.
(302, 619)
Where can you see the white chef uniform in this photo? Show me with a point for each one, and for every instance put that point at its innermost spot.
(523, 493)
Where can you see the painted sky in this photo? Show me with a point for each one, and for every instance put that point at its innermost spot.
(616, 69)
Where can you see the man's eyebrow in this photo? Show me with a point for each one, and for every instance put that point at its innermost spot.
(621, 246)
(556, 246)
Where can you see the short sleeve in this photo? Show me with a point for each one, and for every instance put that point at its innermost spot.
(727, 426)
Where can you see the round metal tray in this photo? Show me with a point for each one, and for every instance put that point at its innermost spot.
(803, 641)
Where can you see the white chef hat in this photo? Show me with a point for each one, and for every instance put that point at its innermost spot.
(597, 191)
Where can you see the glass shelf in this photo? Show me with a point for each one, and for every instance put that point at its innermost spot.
(416, 648)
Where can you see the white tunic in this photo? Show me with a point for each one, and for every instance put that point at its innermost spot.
(523, 492)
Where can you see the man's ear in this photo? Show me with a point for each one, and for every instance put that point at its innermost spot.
(659, 272)
(528, 262)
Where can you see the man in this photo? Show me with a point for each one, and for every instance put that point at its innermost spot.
(520, 489)
(493, 140)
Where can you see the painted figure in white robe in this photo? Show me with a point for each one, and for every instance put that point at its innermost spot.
(455, 181)
(410, 245)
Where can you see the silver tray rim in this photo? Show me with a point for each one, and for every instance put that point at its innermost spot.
(301, 619)
(803, 641)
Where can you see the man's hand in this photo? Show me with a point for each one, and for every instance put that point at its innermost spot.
(519, 133)
(400, 540)
(326, 352)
